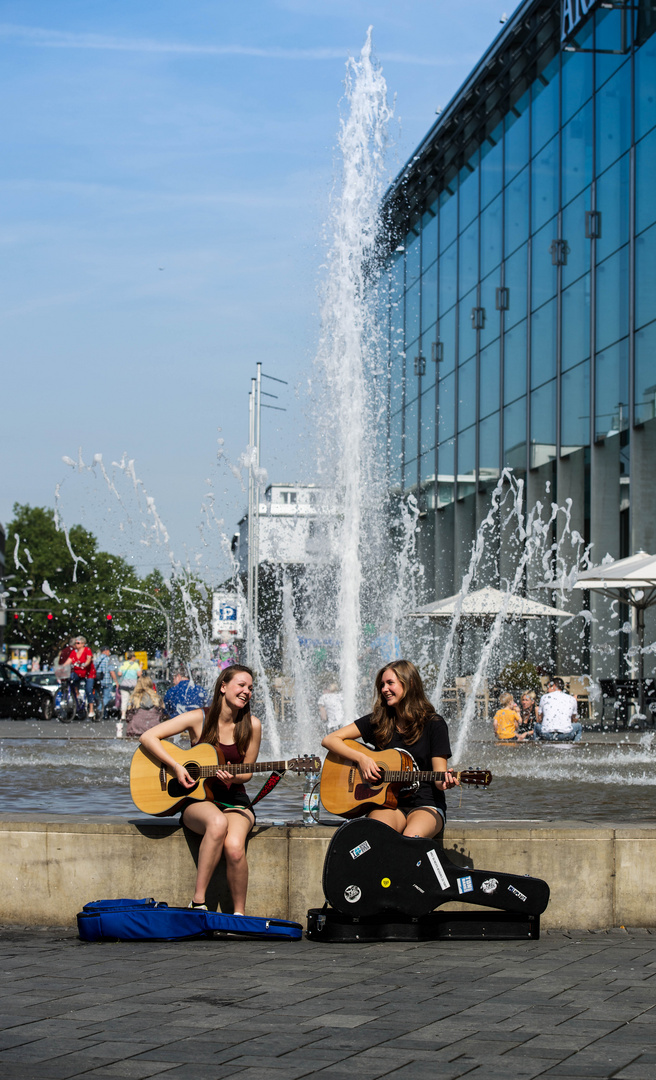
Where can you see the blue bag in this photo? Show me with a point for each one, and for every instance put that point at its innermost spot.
(147, 920)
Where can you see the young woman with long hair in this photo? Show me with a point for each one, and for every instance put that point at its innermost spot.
(224, 820)
(402, 718)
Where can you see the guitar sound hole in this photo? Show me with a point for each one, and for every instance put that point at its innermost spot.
(176, 790)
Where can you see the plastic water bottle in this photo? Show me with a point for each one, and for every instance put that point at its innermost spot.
(310, 799)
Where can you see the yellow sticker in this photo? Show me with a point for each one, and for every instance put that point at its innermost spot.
(386, 883)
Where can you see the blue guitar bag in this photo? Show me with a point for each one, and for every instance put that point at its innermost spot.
(146, 920)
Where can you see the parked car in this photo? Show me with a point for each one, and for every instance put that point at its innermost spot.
(21, 699)
(46, 679)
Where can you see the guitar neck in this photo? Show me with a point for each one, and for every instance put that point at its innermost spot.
(409, 777)
(205, 771)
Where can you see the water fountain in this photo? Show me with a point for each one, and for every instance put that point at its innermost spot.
(366, 579)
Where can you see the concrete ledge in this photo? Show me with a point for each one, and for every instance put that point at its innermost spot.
(600, 875)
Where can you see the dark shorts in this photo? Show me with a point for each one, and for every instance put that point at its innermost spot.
(227, 807)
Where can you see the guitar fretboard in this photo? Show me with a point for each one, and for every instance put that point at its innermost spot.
(410, 777)
(205, 771)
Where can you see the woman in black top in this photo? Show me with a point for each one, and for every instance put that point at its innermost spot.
(403, 718)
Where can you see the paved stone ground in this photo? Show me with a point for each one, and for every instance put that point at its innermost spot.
(571, 1005)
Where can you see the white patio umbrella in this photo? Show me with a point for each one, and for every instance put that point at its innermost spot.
(487, 603)
(631, 581)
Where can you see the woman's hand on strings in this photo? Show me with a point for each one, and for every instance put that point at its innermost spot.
(225, 777)
(450, 780)
(183, 777)
(368, 769)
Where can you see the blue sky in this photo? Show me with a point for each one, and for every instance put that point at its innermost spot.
(166, 174)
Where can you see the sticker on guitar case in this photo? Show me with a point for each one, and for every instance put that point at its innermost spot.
(386, 883)
(352, 894)
(438, 870)
(517, 893)
(490, 886)
(360, 850)
(465, 884)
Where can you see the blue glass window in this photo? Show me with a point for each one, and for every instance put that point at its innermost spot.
(645, 374)
(517, 150)
(429, 237)
(448, 215)
(448, 278)
(430, 375)
(412, 257)
(577, 74)
(492, 166)
(576, 323)
(396, 378)
(467, 394)
(428, 431)
(544, 104)
(447, 330)
(492, 320)
(612, 390)
(608, 36)
(544, 192)
(397, 276)
(466, 460)
(411, 431)
(488, 391)
(645, 87)
(446, 473)
(645, 185)
(543, 424)
(613, 204)
(447, 407)
(646, 276)
(575, 408)
(427, 468)
(516, 224)
(516, 279)
(488, 448)
(468, 268)
(613, 298)
(544, 277)
(514, 363)
(491, 236)
(412, 313)
(543, 344)
(466, 332)
(514, 435)
(396, 447)
(429, 297)
(578, 245)
(577, 153)
(469, 191)
(614, 118)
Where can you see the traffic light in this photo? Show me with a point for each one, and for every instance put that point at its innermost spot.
(109, 617)
(49, 616)
(15, 616)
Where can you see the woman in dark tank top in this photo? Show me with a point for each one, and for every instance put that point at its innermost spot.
(224, 820)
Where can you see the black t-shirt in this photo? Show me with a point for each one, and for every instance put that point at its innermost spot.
(433, 742)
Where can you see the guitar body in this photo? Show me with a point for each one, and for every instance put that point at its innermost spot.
(370, 869)
(343, 790)
(155, 790)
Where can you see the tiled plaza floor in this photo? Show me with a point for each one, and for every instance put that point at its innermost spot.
(571, 1005)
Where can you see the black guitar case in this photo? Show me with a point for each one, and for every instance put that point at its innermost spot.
(371, 869)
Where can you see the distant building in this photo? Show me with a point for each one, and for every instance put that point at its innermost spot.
(296, 524)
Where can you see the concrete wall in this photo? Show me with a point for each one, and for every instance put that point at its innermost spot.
(600, 876)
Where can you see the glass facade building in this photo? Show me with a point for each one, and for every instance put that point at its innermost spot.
(520, 285)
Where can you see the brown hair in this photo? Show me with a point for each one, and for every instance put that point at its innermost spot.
(505, 698)
(412, 711)
(243, 725)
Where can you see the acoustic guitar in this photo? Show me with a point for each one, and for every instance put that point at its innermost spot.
(156, 790)
(344, 792)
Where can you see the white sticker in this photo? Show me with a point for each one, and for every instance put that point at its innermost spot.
(360, 849)
(465, 884)
(352, 894)
(417, 888)
(517, 893)
(490, 886)
(438, 870)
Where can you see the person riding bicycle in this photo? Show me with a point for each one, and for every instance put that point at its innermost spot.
(84, 671)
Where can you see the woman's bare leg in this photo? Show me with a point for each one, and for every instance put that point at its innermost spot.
(394, 818)
(211, 823)
(240, 823)
(424, 822)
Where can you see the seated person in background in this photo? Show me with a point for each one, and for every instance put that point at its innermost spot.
(558, 713)
(506, 720)
(184, 695)
(145, 707)
(528, 711)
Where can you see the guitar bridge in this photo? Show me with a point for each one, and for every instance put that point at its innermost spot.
(351, 779)
(162, 778)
